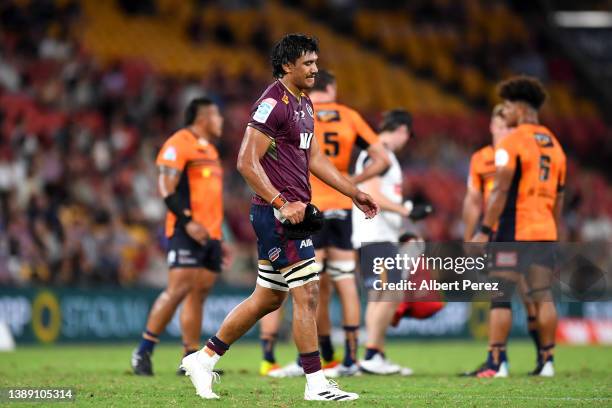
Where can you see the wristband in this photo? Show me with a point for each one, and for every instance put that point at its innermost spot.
(176, 207)
(486, 229)
(278, 202)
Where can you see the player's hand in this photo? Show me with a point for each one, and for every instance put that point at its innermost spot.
(293, 211)
(227, 255)
(480, 238)
(366, 204)
(477, 245)
(197, 231)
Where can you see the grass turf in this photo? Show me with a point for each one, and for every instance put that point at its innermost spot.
(102, 378)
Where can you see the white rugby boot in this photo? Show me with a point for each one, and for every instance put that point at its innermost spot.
(329, 392)
(199, 368)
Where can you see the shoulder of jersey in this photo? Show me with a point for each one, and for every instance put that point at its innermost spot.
(181, 135)
(485, 151)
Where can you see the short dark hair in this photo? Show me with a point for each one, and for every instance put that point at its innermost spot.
(192, 109)
(523, 89)
(323, 78)
(289, 49)
(395, 118)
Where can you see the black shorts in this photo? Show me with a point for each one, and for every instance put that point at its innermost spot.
(519, 256)
(185, 252)
(336, 232)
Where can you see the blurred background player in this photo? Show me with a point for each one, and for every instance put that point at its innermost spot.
(479, 187)
(379, 237)
(338, 129)
(278, 150)
(525, 204)
(191, 183)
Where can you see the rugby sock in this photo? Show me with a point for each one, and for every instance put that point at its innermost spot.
(350, 345)
(148, 342)
(267, 347)
(371, 352)
(326, 347)
(311, 362)
(496, 350)
(217, 346)
(533, 332)
(547, 350)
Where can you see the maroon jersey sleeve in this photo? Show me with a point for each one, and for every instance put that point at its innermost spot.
(268, 116)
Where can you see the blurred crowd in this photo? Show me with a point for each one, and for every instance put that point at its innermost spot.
(78, 141)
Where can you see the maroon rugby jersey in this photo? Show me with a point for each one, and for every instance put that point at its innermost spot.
(289, 122)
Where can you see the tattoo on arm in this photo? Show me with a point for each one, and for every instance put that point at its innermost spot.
(169, 171)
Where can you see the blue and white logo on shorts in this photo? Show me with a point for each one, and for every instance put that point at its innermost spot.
(274, 253)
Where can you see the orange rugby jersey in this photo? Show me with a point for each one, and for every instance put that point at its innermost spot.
(538, 162)
(337, 129)
(201, 182)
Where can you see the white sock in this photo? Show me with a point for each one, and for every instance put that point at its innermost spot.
(316, 380)
(208, 360)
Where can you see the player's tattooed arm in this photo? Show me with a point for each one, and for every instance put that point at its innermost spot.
(254, 146)
(379, 162)
(168, 180)
(472, 207)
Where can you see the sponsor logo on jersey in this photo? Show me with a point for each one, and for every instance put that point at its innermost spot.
(264, 110)
(309, 109)
(285, 99)
(169, 154)
(328, 115)
(305, 139)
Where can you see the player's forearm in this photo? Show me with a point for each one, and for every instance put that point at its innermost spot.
(496, 205)
(380, 162)
(387, 205)
(257, 179)
(471, 213)
(321, 167)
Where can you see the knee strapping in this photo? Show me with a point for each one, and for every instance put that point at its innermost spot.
(340, 269)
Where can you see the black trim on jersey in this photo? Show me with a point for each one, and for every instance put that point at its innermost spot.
(506, 232)
(362, 143)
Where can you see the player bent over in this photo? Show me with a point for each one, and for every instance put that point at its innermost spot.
(276, 155)
(378, 237)
(525, 204)
(190, 180)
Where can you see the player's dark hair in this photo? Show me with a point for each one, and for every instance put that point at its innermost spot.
(395, 118)
(323, 79)
(192, 109)
(523, 89)
(289, 49)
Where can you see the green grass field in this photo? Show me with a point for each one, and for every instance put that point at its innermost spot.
(102, 378)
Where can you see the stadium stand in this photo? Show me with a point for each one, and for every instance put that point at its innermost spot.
(89, 90)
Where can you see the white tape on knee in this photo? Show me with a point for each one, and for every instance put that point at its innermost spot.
(340, 269)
